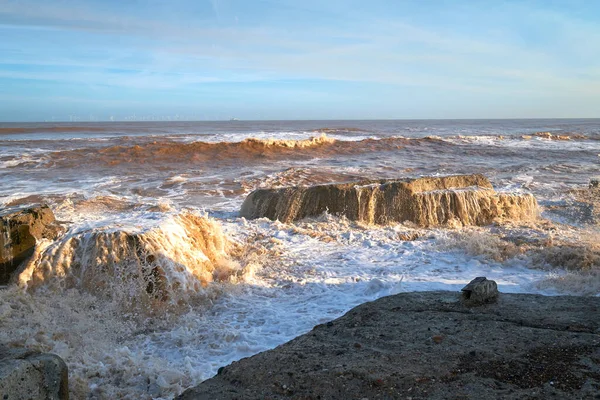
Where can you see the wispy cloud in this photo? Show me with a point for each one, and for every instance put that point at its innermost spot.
(222, 41)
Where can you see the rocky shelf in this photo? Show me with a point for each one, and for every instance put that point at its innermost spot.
(430, 345)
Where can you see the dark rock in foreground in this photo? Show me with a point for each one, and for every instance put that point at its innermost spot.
(30, 375)
(430, 345)
(20, 228)
(430, 201)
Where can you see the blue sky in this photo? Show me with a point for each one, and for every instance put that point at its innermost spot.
(308, 59)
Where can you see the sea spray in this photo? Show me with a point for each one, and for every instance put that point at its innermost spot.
(95, 340)
(140, 267)
(575, 264)
(94, 299)
(571, 260)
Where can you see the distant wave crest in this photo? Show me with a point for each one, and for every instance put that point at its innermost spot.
(288, 143)
(248, 149)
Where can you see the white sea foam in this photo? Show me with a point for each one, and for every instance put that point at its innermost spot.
(178, 179)
(527, 142)
(33, 158)
(281, 135)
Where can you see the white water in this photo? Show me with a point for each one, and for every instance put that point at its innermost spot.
(297, 276)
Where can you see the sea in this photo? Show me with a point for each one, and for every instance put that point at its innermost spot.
(168, 194)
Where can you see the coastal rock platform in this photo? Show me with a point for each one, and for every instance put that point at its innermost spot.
(430, 345)
(427, 201)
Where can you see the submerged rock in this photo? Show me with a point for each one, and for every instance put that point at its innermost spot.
(429, 201)
(20, 229)
(430, 345)
(31, 375)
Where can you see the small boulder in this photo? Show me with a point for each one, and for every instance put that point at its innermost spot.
(31, 375)
(480, 290)
(20, 229)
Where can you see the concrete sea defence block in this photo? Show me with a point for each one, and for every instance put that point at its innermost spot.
(428, 201)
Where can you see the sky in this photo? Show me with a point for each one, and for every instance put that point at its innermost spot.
(298, 59)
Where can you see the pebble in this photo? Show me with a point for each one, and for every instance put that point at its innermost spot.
(437, 338)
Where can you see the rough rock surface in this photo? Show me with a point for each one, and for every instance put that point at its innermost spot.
(30, 375)
(20, 228)
(429, 345)
(430, 201)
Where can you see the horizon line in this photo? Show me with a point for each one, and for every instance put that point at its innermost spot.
(298, 120)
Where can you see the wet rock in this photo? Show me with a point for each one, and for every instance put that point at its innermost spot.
(595, 182)
(20, 229)
(31, 375)
(429, 201)
(480, 290)
(430, 345)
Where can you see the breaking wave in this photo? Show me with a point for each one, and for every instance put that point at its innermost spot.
(289, 143)
(248, 149)
(172, 151)
(338, 130)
